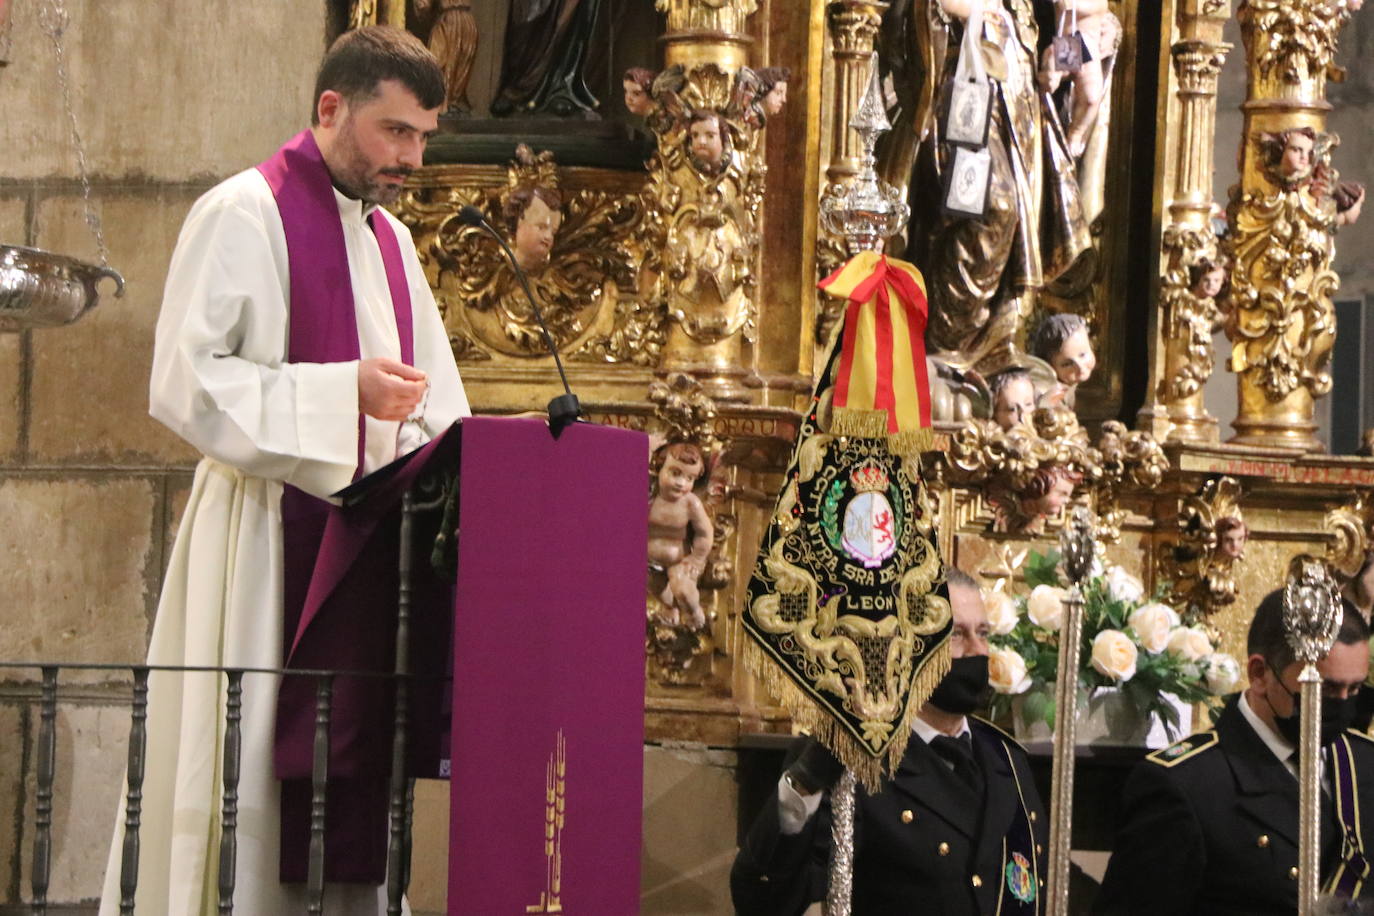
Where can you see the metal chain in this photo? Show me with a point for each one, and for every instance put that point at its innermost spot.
(54, 20)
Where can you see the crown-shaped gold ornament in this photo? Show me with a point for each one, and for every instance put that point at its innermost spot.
(869, 477)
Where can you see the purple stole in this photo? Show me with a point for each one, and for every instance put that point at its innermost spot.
(1352, 868)
(324, 329)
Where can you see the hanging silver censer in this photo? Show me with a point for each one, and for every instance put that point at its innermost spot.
(39, 289)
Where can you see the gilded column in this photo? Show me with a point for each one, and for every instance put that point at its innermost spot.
(1282, 216)
(1192, 269)
(853, 28)
(705, 190)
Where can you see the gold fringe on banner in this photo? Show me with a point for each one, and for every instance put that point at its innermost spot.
(825, 728)
(911, 443)
(859, 422)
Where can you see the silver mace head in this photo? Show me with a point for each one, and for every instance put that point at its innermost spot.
(1076, 545)
(866, 211)
(1311, 608)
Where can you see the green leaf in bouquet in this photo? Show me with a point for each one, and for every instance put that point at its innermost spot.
(1042, 569)
(1168, 714)
(1038, 707)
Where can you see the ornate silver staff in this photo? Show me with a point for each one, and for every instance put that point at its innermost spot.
(865, 212)
(1311, 618)
(1076, 547)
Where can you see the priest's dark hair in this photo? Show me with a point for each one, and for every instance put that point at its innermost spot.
(359, 60)
(1268, 639)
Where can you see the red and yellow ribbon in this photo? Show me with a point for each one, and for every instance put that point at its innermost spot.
(881, 385)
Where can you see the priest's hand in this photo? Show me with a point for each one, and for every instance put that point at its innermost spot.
(388, 390)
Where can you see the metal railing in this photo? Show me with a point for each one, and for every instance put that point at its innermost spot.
(400, 802)
(434, 491)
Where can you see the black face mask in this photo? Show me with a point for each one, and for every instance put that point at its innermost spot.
(1337, 715)
(962, 689)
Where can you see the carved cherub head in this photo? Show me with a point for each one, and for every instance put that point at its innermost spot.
(1289, 156)
(1049, 490)
(1062, 341)
(1207, 278)
(773, 85)
(532, 215)
(638, 84)
(684, 465)
(1013, 398)
(707, 138)
(1232, 533)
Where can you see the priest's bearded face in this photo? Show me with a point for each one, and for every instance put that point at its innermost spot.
(373, 144)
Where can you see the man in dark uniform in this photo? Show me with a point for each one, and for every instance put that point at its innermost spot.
(1211, 823)
(958, 830)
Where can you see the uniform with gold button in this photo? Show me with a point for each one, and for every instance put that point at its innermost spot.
(1210, 825)
(924, 844)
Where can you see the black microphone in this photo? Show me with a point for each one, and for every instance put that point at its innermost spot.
(564, 409)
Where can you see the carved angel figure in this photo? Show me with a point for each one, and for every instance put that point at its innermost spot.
(680, 533)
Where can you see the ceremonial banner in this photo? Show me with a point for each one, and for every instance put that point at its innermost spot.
(848, 631)
(548, 669)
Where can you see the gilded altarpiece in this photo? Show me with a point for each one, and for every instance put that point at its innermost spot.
(620, 284)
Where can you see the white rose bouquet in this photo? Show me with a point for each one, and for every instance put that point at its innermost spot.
(1131, 641)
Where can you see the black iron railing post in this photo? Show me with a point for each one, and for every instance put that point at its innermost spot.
(399, 839)
(47, 767)
(319, 786)
(229, 810)
(133, 804)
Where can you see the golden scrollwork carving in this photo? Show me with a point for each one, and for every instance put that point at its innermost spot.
(1193, 281)
(580, 250)
(1028, 474)
(1351, 528)
(362, 13)
(705, 192)
(1125, 459)
(1295, 40)
(1283, 325)
(729, 16)
(1200, 559)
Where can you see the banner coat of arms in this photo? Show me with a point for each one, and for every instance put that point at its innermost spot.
(847, 610)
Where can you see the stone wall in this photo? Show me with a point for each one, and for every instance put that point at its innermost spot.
(170, 97)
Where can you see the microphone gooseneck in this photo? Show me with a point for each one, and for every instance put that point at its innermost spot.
(564, 409)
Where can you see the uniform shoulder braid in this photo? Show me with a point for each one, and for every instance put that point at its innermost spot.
(1183, 750)
(1356, 733)
(997, 730)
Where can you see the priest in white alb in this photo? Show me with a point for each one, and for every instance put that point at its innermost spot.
(298, 348)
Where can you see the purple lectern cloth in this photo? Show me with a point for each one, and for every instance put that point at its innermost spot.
(548, 642)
